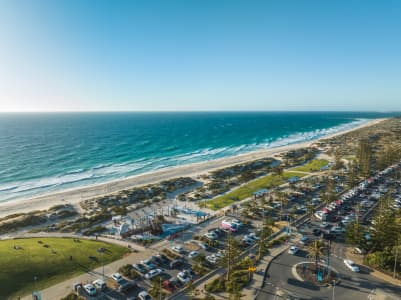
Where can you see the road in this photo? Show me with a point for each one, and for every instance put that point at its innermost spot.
(281, 281)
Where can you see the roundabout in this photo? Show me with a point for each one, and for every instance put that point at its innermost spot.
(285, 280)
(319, 274)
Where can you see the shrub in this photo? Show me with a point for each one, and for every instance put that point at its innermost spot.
(128, 271)
(216, 285)
(72, 296)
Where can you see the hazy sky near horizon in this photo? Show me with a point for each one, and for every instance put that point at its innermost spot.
(200, 55)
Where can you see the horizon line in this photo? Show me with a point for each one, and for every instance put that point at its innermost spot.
(195, 110)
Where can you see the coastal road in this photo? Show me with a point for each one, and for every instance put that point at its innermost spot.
(280, 280)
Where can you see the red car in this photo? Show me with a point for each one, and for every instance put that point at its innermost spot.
(169, 286)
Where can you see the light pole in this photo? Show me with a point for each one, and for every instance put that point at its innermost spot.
(160, 291)
(395, 258)
(101, 251)
(334, 286)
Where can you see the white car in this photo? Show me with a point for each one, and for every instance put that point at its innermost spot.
(212, 259)
(293, 250)
(179, 249)
(351, 265)
(193, 254)
(211, 235)
(183, 277)
(237, 223)
(253, 235)
(99, 284)
(248, 241)
(117, 277)
(90, 289)
(144, 296)
(153, 273)
(221, 253)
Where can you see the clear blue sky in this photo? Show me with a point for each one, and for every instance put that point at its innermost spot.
(200, 55)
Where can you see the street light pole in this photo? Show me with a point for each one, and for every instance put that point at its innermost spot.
(102, 267)
(395, 259)
(160, 291)
(334, 286)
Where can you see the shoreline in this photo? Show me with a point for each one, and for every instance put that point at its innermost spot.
(76, 195)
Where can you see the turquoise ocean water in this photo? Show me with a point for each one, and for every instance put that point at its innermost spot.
(41, 153)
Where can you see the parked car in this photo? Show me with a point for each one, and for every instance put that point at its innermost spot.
(253, 236)
(248, 241)
(212, 259)
(204, 246)
(124, 286)
(90, 289)
(144, 296)
(183, 277)
(221, 253)
(337, 230)
(211, 235)
(100, 284)
(117, 277)
(156, 260)
(351, 265)
(153, 273)
(163, 258)
(178, 249)
(293, 250)
(148, 264)
(140, 268)
(304, 240)
(176, 263)
(169, 286)
(193, 254)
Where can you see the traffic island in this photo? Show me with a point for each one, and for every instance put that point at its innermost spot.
(318, 275)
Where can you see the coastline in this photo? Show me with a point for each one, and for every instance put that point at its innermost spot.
(76, 195)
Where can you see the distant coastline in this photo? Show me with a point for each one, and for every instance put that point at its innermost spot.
(76, 195)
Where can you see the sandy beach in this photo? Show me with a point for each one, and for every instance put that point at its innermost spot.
(74, 196)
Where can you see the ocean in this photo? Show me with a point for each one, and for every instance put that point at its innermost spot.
(46, 152)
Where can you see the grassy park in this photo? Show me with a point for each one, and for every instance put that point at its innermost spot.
(312, 166)
(248, 189)
(50, 260)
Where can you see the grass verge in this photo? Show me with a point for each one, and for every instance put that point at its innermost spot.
(313, 166)
(249, 188)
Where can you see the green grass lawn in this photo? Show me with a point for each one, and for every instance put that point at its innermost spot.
(313, 166)
(248, 189)
(18, 267)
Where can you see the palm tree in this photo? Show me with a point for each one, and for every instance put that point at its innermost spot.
(266, 232)
(317, 249)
